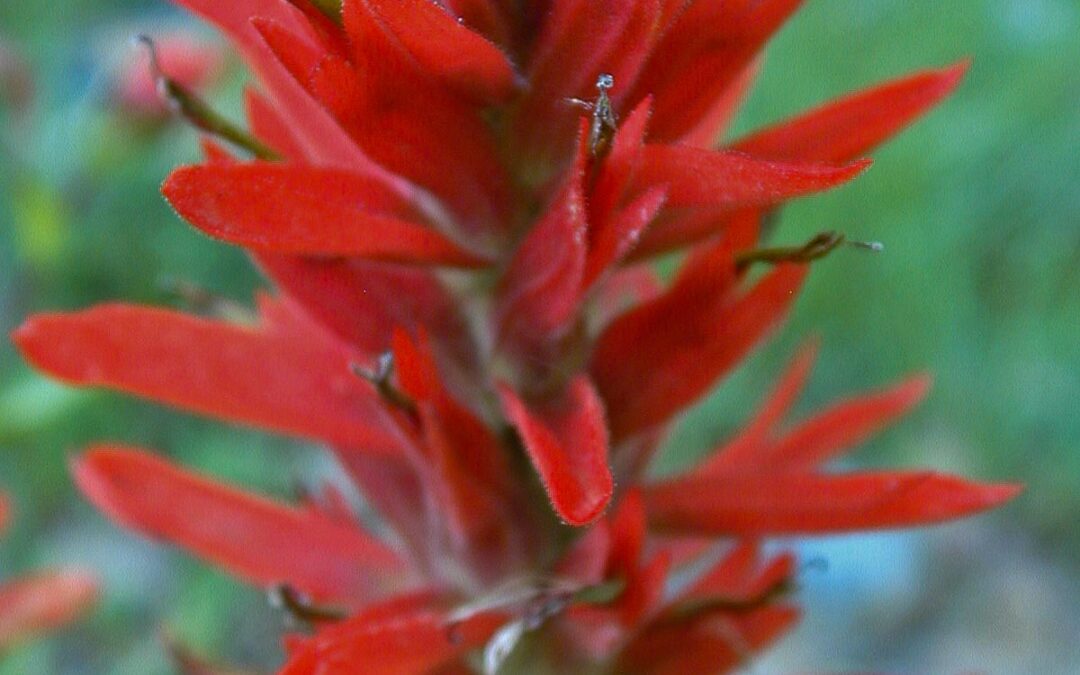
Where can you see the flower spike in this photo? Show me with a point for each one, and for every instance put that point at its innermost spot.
(461, 307)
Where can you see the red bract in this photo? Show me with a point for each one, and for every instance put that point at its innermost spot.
(42, 602)
(452, 210)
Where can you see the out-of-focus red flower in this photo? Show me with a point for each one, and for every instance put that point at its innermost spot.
(457, 216)
(189, 60)
(42, 602)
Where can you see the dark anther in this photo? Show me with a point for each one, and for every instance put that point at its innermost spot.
(816, 248)
(197, 112)
(380, 378)
(301, 609)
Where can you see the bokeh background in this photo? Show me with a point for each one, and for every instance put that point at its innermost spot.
(979, 210)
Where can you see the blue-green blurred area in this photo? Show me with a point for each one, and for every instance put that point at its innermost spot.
(979, 210)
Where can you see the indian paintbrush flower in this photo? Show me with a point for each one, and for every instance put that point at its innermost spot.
(457, 203)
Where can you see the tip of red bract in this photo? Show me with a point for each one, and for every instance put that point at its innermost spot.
(952, 75)
(28, 339)
(999, 494)
(91, 470)
(849, 171)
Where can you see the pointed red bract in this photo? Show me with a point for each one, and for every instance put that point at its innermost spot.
(566, 439)
(844, 425)
(783, 503)
(306, 210)
(844, 129)
(615, 241)
(661, 356)
(726, 179)
(817, 439)
(259, 540)
(258, 375)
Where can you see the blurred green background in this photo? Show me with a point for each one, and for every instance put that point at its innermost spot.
(979, 209)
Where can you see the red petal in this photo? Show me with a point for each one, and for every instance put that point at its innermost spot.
(259, 540)
(306, 210)
(447, 49)
(567, 442)
(295, 384)
(847, 128)
(731, 180)
(702, 55)
(796, 503)
(396, 638)
(661, 356)
(44, 602)
(712, 643)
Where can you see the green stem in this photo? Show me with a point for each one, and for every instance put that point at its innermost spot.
(199, 114)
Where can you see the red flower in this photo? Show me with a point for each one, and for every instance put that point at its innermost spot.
(42, 602)
(452, 240)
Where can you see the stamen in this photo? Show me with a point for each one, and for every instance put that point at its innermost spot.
(380, 379)
(197, 112)
(301, 609)
(604, 121)
(816, 248)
